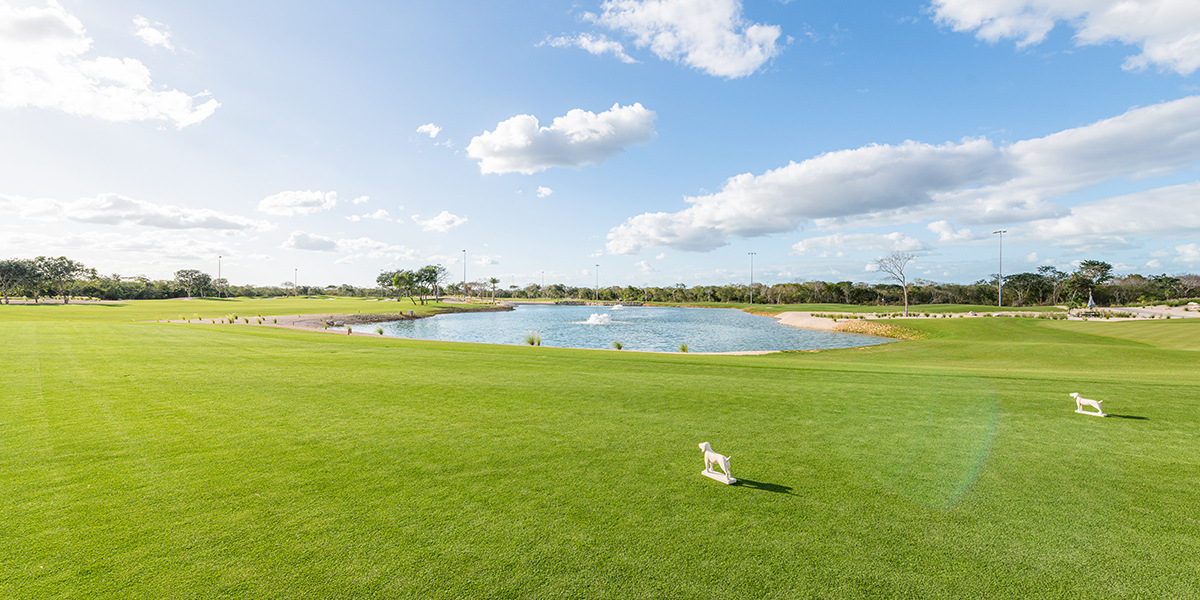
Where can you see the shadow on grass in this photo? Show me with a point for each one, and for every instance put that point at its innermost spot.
(1128, 417)
(766, 487)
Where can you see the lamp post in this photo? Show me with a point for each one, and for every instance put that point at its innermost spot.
(219, 294)
(596, 292)
(464, 274)
(751, 276)
(296, 283)
(1000, 275)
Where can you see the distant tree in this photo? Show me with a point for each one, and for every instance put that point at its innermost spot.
(1086, 278)
(384, 280)
(1057, 280)
(493, 281)
(1188, 284)
(192, 281)
(59, 273)
(14, 273)
(405, 282)
(893, 266)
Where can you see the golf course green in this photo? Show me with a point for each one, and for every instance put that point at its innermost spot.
(142, 459)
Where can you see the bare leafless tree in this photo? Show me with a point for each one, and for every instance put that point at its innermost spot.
(893, 265)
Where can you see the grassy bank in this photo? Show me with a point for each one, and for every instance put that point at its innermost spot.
(209, 461)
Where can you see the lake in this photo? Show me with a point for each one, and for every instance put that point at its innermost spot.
(660, 329)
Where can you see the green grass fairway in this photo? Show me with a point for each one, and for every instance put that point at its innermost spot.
(154, 460)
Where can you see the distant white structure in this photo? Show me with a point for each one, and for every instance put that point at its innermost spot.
(1080, 402)
(713, 459)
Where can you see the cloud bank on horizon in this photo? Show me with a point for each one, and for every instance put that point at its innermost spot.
(974, 180)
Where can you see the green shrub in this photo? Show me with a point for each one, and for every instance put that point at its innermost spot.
(617, 344)
(683, 348)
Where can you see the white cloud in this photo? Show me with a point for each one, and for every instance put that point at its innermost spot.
(115, 209)
(860, 241)
(301, 240)
(644, 266)
(520, 145)
(1165, 30)
(154, 34)
(543, 191)
(293, 203)
(1032, 257)
(661, 255)
(360, 200)
(973, 180)
(353, 249)
(485, 260)
(1112, 221)
(379, 215)
(1188, 254)
(710, 35)
(43, 64)
(430, 130)
(598, 45)
(442, 223)
(947, 233)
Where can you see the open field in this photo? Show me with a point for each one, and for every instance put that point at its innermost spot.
(154, 460)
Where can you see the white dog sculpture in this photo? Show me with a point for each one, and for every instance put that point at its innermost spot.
(1080, 402)
(712, 458)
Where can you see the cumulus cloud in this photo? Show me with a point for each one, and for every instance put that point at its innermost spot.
(521, 145)
(1187, 254)
(302, 240)
(149, 248)
(598, 45)
(115, 209)
(974, 179)
(153, 34)
(948, 234)
(828, 244)
(544, 192)
(1165, 30)
(45, 63)
(442, 223)
(1112, 221)
(712, 36)
(360, 200)
(430, 130)
(379, 215)
(294, 203)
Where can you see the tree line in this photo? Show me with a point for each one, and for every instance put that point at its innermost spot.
(62, 277)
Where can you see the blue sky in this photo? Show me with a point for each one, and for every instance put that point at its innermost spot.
(662, 140)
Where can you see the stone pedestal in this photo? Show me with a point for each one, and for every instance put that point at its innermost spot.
(718, 476)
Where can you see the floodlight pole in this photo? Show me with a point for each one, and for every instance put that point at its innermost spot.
(464, 274)
(296, 283)
(596, 292)
(1000, 275)
(751, 276)
(219, 274)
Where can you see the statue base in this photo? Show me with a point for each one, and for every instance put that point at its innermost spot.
(1094, 414)
(718, 476)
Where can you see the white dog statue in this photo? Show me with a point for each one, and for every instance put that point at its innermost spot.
(712, 458)
(1080, 402)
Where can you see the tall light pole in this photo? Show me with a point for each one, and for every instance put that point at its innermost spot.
(464, 274)
(1000, 275)
(596, 293)
(751, 276)
(219, 294)
(296, 283)
(436, 281)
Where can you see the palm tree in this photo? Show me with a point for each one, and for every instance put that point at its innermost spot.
(493, 281)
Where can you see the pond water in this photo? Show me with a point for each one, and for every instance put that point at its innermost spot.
(660, 329)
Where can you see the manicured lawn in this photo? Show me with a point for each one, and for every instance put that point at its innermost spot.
(151, 460)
